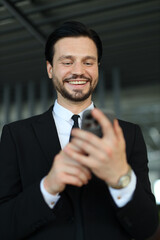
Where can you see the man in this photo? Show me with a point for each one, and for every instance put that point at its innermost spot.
(88, 188)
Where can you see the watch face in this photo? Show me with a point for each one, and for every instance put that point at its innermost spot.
(124, 181)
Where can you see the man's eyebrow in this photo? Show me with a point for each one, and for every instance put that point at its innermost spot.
(72, 57)
(90, 57)
(65, 57)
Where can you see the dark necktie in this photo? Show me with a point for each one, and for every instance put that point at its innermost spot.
(75, 124)
(76, 194)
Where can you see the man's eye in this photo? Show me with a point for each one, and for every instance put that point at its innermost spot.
(88, 63)
(67, 63)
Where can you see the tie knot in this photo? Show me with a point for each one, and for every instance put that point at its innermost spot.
(75, 119)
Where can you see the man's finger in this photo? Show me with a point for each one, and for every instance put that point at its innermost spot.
(105, 123)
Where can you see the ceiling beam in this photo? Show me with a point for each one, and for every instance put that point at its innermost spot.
(24, 21)
(44, 7)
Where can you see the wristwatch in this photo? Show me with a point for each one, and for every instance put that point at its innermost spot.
(123, 180)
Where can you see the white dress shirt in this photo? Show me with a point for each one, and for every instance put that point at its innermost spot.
(64, 123)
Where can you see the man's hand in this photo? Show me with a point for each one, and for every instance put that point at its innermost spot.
(106, 156)
(64, 171)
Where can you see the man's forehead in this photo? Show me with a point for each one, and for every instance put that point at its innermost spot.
(74, 40)
(75, 46)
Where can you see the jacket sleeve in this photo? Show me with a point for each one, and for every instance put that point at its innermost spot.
(139, 217)
(22, 211)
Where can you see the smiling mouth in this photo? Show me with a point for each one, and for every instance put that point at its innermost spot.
(76, 82)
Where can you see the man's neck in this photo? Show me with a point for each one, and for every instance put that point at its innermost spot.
(75, 107)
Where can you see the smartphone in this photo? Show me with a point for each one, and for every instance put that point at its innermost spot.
(90, 124)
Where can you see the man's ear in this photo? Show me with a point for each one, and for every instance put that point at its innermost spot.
(49, 69)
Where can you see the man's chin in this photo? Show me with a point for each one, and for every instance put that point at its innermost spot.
(76, 97)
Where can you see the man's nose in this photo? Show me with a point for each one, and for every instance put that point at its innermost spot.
(78, 68)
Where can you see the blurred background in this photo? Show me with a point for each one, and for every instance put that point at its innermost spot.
(129, 73)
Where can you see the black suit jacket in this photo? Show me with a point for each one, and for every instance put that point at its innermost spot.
(27, 151)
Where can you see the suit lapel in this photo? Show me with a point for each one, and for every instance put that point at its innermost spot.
(47, 136)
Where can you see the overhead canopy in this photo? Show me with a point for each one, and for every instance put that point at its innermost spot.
(130, 31)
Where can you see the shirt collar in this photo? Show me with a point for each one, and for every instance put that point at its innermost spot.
(64, 113)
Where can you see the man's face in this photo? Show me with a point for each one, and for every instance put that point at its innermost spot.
(75, 68)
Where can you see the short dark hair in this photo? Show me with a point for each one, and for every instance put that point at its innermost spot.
(71, 29)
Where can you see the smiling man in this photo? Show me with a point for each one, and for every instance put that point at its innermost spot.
(74, 69)
(89, 187)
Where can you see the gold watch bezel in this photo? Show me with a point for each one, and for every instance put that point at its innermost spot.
(123, 180)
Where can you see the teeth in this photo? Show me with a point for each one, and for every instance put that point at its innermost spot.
(77, 82)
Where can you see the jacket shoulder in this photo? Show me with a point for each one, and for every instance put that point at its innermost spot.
(29, 121)
(129, 127)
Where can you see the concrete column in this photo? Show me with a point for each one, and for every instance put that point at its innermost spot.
(116, 91)
(101, 90)
(18, 98)
(6, 103)
(31, 98)
(43, 94)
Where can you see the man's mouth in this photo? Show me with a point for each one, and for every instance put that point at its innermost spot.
(75, 82)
